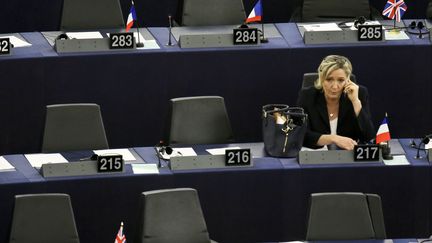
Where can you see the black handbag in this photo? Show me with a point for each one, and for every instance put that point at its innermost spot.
(284, 129)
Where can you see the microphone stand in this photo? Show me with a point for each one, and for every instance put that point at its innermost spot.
(169, 31)
(425, 140)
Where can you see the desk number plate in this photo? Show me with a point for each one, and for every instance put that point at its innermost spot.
(110, 163)
(370, 33)
(368, 152)
(238, 157)
(122, 40)
(246, 36)
(5, 46)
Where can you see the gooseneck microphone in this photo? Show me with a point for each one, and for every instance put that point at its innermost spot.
(169, 30)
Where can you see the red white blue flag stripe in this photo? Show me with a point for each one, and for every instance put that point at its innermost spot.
(256, 13)
(394, 9)
(131, 17)
(383, 133)
(120, 237)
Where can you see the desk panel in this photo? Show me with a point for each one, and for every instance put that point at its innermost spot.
(267, 202)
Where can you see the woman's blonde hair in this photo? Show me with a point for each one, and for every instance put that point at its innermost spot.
(329, 64)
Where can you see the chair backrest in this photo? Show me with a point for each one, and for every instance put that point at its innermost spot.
(212, 12)
(172, 215)
(334, 10)
(43, 218)
(199, 120)
(429, 11)
(309, 79)
(345, 216)
(91, 14)
(73, 127)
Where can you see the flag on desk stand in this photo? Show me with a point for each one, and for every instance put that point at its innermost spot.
(383, 134)
(256, 13)
(132, 17)
(120, 237)
(394, 9)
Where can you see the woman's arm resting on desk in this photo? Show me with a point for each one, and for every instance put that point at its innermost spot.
(341, 141)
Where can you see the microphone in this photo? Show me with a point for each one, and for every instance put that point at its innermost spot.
(424, 140)
(170, 30)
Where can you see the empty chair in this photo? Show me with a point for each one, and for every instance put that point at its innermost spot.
(334, 10)
(345, 216)
(309, 79)
(91, 14)
(43, 218)
(212, 12)
(172, 215)
(71, 127)
(429, 11)
(199, 120)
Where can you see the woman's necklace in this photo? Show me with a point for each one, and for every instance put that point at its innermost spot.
(333, 111)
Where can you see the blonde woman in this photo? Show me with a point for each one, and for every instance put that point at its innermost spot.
(338, 108)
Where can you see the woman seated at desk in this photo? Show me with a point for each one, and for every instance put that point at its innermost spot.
(338, 108)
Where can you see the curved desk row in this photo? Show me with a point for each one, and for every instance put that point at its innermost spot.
(266, 202)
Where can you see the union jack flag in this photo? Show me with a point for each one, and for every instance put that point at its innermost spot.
(120, 237)
(394, 8)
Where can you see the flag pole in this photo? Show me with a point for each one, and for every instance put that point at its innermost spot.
(263, 39)
(138, 44)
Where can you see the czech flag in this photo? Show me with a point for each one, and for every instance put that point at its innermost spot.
(131, 17)
(120, 237)
(383, 133)
(256, 14)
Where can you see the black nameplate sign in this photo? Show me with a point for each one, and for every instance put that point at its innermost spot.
(238, 157)
(122, 40)
(245, 36)
(370, 33)
(110, 163)
(367, 152)
(5, 46)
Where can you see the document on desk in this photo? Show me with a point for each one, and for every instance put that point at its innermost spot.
(322, 27)
(395, 35)
(126, 153)
(220, 151)
(397, 160)
(17, 42)
(37, 160)
(85, 35)
(145, 169)
(5, 165)
(179, 152)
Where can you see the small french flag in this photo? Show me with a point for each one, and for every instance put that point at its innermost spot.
(256, 13)
(131, 17)
(383, 133)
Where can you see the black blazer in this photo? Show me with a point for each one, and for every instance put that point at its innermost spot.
(358, 128)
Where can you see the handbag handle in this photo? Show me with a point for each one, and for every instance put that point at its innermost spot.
(272, 108)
